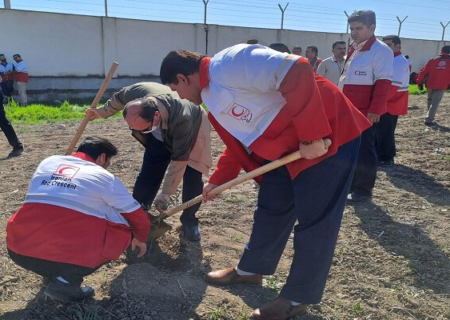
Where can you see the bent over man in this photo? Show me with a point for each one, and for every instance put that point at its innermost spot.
(266, 104)
(176, 136)
(76, 217)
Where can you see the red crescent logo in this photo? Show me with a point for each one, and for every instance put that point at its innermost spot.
(61, 170)
(237, 115)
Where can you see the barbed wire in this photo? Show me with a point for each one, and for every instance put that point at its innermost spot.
(247, 14)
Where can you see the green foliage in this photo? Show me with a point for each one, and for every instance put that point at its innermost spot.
(85, 313)
(357, 309)
(40, 113)
(415, 91)
(216, 315)
(273, 283)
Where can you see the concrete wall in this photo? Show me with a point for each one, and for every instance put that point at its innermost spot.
(69, 55)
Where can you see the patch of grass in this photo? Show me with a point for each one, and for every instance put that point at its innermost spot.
(415, 91)
(238, 238)
(40, 113)
(357, 309)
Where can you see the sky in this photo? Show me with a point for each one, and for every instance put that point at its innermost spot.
(423, 18)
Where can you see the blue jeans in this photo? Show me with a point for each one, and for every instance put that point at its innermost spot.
(156, 160)
(315, 199)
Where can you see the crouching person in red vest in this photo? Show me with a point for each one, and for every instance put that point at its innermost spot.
(76, 217)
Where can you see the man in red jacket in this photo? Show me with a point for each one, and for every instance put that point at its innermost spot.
(76, 217)
(264, 105)
(437, 72)
(366, 81)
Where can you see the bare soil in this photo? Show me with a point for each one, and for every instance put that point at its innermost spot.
(392, 260)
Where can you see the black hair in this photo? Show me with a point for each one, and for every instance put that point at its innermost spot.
(183, 62)
(392, 37)
(313, 48)
(148, 108)
(278, 46)
(17, 55)
(95, 146)
(366, 17)
(445, 49)
(338, 42)
(252, 41)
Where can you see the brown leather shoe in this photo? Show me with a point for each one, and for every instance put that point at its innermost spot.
(278, 309)
(229, 276)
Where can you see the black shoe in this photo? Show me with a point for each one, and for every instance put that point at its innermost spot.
(191, 233)
(16, 151)
(356, 197)
(388, 163)
(67, 292)
(430, 123)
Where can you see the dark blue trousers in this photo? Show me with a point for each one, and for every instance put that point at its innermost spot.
(156, 160)
(315, 199)
(385, 143)
(6, 126)
(366, 169)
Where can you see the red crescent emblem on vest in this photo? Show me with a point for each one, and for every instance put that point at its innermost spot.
(237, 115)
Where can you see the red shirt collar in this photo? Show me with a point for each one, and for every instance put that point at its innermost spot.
(397, 53)
(83, 156)
(369, 43)
(203, 72)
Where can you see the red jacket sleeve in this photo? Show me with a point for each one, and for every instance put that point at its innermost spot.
(228, 168)
(379, 96)
(423, 72)
(140, 224)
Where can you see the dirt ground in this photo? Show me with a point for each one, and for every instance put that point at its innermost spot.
(392, 260)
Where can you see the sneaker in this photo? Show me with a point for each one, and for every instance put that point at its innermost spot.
(16, 151)
(67, 292)
(191, 233)
(430, 123)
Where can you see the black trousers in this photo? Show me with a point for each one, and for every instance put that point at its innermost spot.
(72, 273)
(6, 126)
(366, 168)
(386, 137)
(8, 87)
(156, 160)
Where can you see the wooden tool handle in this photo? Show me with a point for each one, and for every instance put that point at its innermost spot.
(249, 175)
(94, 104)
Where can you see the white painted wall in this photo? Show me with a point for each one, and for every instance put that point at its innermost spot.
(70, 54)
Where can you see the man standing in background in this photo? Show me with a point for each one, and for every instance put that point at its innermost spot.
(437, 71)
(312, 54)
(21, 77)
(366, 81)
(331, 68)
(7, 74)
(397, 104)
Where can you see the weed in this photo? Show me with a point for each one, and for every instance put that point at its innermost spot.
(415, 91)
(273, 283)
(90, 313)
(216, 315)
(357, 309)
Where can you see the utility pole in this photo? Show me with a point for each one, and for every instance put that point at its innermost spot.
(282, 14)
(206, 27)
(7, 4)
(443, 29)
(346, 14)
(106, 8)
(400, 26)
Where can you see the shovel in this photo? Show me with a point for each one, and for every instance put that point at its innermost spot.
(249, 175)
(94, 104)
